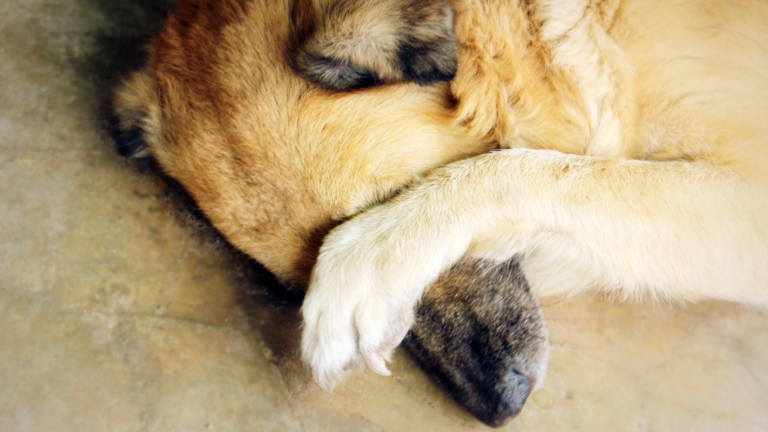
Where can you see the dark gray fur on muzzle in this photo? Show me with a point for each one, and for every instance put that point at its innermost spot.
(481, 335)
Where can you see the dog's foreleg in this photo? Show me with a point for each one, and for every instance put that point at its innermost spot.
(669, 230)
(680, 230)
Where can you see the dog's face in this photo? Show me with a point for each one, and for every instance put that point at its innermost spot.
(250, 105)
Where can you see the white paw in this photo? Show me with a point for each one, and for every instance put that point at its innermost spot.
(351, 316)
(369, 276)
(371, 273)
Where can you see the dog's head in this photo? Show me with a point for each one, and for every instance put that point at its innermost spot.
(273, 159)
(284, 118)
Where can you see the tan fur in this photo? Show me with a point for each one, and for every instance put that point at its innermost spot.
(271, 160)
(636, 164)
(635, 155)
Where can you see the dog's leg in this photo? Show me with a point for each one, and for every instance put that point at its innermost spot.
(680, 230)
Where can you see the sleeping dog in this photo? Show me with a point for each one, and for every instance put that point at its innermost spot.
(629, 142)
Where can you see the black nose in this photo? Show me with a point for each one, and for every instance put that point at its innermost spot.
(511, 396)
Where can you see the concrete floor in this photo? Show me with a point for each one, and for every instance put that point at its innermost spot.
(119, 313)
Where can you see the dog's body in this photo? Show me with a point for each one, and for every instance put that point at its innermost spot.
(636, 162)
(635, 155)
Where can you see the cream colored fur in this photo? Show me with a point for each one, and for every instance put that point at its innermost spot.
(634, 160)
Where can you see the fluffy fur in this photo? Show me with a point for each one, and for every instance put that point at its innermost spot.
(275, 162)
(633, 153)
(634, 161)
(359, 43)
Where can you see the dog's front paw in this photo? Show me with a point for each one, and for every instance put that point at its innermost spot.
(344, 334)
(361, 297)
(350, 317)
(370, 274)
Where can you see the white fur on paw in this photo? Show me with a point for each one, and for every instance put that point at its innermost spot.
(350, 316)
(371, 272)
(342, 332)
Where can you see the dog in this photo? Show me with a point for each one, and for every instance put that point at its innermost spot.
(633, 159)
(231, 104)
(609, 145)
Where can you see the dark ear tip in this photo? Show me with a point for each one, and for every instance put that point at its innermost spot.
(417, 44)
(131, 144)
(333, 73)
(128, 143)
(430, 62)
(435, 76)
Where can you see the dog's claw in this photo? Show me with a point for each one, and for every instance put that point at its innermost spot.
(377, 364)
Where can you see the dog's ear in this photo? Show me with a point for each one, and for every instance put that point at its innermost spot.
(360, 43)
(134, 119)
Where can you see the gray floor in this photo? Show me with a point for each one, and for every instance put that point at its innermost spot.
(118, 314)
